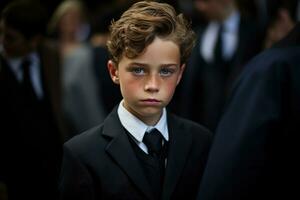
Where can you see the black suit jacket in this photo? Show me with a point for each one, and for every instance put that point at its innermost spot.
(255, 153)
(101, 163)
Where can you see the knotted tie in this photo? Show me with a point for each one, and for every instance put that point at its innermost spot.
(26, 84)
(218, 51)
(153, 141)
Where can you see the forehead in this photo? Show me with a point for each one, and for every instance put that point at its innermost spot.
(159, 52)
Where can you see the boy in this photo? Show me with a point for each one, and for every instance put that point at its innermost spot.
(149, 45)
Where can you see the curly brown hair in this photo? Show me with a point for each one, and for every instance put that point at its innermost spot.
(141, 23)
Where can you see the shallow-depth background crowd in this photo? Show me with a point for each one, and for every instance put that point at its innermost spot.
(59, 46)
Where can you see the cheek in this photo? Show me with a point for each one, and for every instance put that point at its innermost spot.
(129, 87)
(169, 88)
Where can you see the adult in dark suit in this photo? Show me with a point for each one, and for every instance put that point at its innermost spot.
(223, 45)
(140, 151)
(31, 122)
(255, 150)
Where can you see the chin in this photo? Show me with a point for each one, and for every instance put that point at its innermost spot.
(150, 111)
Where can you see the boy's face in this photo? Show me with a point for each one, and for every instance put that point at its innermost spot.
(148, 81)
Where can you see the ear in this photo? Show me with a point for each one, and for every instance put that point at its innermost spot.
(113, 71)
(181, 70)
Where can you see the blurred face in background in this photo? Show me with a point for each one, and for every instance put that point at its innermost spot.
(214, 9)
(14, 42)
(70, 21)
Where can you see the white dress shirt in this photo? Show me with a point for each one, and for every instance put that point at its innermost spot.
(137, 128)
(230, 37)
(34, 72)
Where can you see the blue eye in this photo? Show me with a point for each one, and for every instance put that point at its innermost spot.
(166, 71)
(138, 70)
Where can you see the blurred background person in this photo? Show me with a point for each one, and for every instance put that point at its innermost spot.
(32, 125)
(82, 104)
(226, 40)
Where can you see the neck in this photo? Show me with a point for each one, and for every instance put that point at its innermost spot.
(228, 10)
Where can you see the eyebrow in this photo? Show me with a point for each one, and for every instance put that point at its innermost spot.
(147, 65)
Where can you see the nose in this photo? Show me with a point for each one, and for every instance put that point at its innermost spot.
(152, 83)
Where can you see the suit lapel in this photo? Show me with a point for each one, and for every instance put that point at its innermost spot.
(121, 151)
(179, 146)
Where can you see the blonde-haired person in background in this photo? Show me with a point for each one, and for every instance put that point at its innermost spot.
(81, 103)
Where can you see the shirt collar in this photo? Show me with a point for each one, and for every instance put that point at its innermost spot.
(137, 128)
(15, 64)
(231, 24)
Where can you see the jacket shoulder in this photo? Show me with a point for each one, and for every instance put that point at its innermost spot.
(86, 141)
(190, 127)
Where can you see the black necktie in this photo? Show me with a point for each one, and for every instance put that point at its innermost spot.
(218, 51)
(26, 84)
(153, 141)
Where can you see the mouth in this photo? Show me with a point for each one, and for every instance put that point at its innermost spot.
(151, 101)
